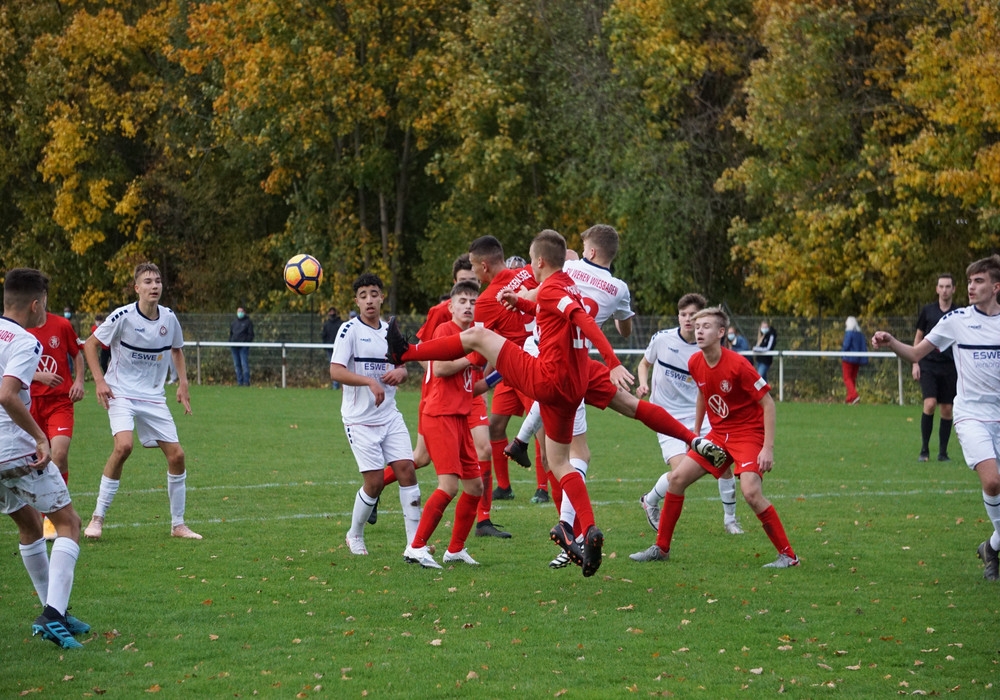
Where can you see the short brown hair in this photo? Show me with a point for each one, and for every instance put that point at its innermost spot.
(465, 287)
(602, 237)
(692, 299)
(715, 312)
(990, 266)
(462, 262)
(143, 268)
(488, 249)
(550, 246)
(23, 285)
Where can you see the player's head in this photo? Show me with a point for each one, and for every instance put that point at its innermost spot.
(514, 262)
(148, 283)
(945, 287)
(687, 306)
(461, 270)
(710, 326)
(548, 246)
(486, 256)
(25, 296)
(368, 296)
(851, 324)
(603, 240)
(984, 279)
(463, 302)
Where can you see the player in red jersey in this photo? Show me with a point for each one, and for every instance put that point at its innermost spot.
(53, 391)
(487, 258)
(447, 404)
(742, 418)
(558, 378)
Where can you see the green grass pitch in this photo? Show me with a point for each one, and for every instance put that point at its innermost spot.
(889, 599)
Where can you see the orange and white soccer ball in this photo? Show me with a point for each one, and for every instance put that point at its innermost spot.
(303, 274)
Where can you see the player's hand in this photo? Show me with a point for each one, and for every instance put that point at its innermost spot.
(881, 339)
(104, 393)
(42, 454)
(622, 378)
(641, 390)
(76, 392)
(509, 300)
(395, 377)
(183, 397)
(765, 460)
(916, 372)
(377, 391)
(48, 378)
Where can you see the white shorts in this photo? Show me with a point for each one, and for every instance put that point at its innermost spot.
(980, 440)
(671, 447)
(580, 420)
(150, 420)
(42, 489)
(375, 446)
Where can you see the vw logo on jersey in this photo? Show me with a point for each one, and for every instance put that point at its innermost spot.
(48, 364)
(53, 341)
(718, 405)
(725, 387)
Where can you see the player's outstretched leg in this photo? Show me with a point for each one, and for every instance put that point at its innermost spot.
(562, 535)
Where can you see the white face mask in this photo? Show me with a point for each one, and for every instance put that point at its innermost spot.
(732, 337)
(764, 329)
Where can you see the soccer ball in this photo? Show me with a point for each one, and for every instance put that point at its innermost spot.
(303, 274)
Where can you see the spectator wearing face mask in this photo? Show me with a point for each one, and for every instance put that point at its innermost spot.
(241, 331)
(766, 341)
(736, 341)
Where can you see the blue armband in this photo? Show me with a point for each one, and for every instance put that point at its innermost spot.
(493, 378)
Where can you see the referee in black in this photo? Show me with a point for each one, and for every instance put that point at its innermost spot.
(936, 372)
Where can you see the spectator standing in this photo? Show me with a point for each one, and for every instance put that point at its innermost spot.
(331, 326)
(241, 331)
(936, 372)
(854, 341)
(766, 341)
(737, 342)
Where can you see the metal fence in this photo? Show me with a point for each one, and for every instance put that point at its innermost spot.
(288, 352)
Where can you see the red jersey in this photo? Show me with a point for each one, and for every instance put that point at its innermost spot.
(515, 326)
(562, 350)
(447, 396)
(59, 343)
(732, 391)
(439, 313)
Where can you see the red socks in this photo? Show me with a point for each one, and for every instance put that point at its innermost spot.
(775, 531)
(653, 416)
(575, 488)
(465, 516)
(429, 519)
(447, 348)
(669, 515)
(500, 463)
(486, 500)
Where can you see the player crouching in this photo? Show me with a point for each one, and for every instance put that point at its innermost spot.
(742, 418)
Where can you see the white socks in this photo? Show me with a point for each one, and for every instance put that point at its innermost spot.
(363, 504)
(727, 492)
(409, 499)
(659, 492)
(177, 492)
(992, 504)
(532, 422)
(61, 567)
(109, 487)
(567, 513)
(36, 560)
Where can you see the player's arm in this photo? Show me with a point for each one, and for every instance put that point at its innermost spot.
(620, 376)
(765, 460)
(49, 379)
(624, 327)
(10, 400)
(340, 373)
(91, 350)
(699, 413)
(910, 353)
(395, 376)
(180, 366)
(917, 337)
(642, 374)
(80, 369)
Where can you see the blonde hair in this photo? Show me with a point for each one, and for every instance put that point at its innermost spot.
(714, 311)
(852, 324)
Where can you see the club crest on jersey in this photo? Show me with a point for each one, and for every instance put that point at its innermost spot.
(725, 386)
(163, 330)
(53, 341)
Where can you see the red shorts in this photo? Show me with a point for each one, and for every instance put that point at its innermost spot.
(557, 399)
(54, 415)
(508, 401)
(743, 451)
(479, 415)
(450, 446)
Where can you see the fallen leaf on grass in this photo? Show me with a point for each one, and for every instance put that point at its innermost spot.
(472, 676)
(435, 642)
(153, 688)
(756, 671)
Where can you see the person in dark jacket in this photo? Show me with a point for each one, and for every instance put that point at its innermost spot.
(241, 331)
(854, 341)
(766, 341)
(331, 326)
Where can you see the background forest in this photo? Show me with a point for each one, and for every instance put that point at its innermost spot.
(786, 157)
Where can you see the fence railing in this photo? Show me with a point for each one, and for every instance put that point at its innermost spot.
(306, 364)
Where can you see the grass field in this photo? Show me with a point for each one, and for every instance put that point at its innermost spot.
(889, 599)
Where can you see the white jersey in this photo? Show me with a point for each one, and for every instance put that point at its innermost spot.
(140, 351)
(975, 339)
(604, 295)
(361, 349)
(671, 384)
(19, 355)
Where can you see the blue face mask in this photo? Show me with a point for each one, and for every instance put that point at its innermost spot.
(67, 314)
(732, 337)
(240, 314)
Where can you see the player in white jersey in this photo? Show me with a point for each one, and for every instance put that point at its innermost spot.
(974, 334)
(374, 425)
(673, 389)
(30, 484)
(604, 296)
(143, 338)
